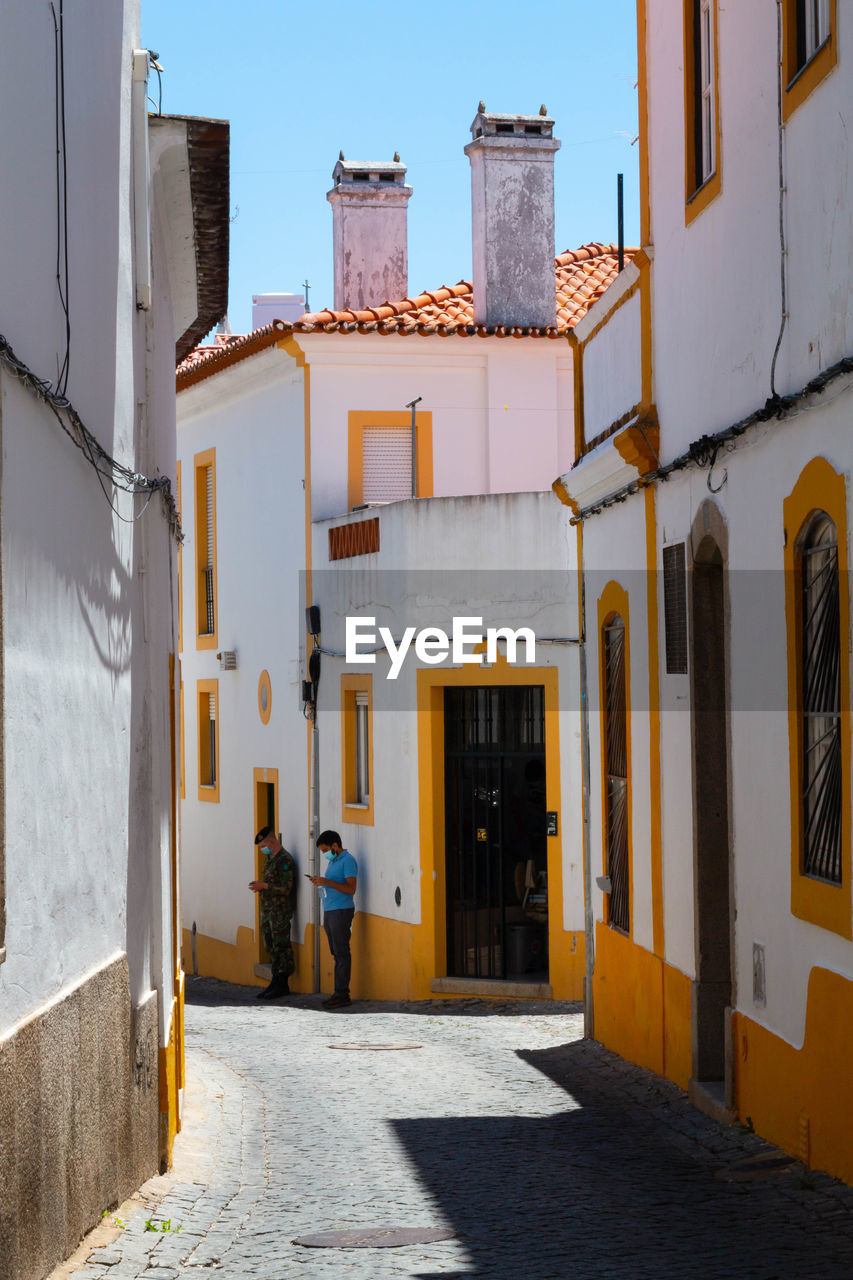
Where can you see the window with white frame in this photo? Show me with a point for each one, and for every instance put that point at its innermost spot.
(362, 749)
(812, 28)
(386, 464)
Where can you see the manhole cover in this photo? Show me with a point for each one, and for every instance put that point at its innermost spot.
(356, 1044)
(373, 1238)
(756, 1167)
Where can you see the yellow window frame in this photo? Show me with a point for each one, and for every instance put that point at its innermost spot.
(358, 419)
(614, 600)
(201, 461)
(819, 488)
(204, 688)
(351, 684)
(698, 198)
(800, 82)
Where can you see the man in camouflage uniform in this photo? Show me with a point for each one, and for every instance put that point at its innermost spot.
(277, 890)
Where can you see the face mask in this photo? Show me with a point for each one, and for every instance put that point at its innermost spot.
(328, 855)
(266, 849)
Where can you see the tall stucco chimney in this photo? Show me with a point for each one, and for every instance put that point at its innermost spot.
(512, 216)
(369, 202)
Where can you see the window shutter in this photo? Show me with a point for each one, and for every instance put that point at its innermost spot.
(387, 464)
(209, 486)
(211, 705)
(675, 609)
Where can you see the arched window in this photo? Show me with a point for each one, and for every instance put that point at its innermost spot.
(616, 771)
(820, 673)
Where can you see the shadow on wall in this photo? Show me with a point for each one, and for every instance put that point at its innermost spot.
(599, 1188)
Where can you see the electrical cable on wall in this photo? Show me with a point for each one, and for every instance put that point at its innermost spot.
(61, 191)
(104, 466)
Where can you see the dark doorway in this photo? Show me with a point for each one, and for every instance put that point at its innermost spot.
(497, 889)
(265, 816)
(712, 992)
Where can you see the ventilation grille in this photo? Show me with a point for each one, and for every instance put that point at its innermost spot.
(354, 539)
(675, 609)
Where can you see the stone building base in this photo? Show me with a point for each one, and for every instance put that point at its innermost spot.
(79, 1118)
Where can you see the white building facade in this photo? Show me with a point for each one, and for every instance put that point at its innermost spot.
(91, 1032)
(422, 403)
(711, 504)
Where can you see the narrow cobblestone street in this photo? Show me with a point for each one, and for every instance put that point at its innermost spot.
(544, 1154)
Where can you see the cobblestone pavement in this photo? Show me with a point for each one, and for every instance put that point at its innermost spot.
(545, 1154)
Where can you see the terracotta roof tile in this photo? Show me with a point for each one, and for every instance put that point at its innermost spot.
(581, 277)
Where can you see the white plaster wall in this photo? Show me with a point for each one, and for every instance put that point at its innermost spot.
(501, 409)
(441, 546)
(717, 297)
(612, 374)
(86, 636)
(371, 263)
(253, 417)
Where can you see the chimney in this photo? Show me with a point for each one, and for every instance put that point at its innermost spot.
(369, 230)
(512, 215)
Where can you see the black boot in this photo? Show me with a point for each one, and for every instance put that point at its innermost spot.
(278, 987)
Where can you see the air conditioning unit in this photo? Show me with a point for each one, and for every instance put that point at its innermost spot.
(227, 660)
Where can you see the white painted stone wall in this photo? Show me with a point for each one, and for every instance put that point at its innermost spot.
(428, 569)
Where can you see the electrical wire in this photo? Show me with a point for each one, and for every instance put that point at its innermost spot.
(782, 248)
(61, 190)
(703, 452)
(106, 468)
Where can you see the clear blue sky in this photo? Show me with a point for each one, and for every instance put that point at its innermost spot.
(300, 82)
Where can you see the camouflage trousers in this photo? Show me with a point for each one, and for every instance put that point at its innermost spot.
(275, 931)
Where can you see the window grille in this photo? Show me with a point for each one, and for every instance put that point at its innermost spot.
(675, 608)
(386, 464)
(616, 773)
(208, 740)
(820, 629)
(362, 749)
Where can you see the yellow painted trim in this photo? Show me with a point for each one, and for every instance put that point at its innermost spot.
(560, 490)
(797, 1097)
(261, 776)
(183, 749)
(580, 425)
(613, 600)
(235, 961)
(204, 687)
(799, 85)
(429, 940)
(638, 445)
(698, 198)
(643, 110)
(351, 684)
(180, 572)
(168, 1072)
(647, 340)
(293, 349)
(358, 419)
(656, 843)
(642, 1006)
(819, 488)
(264, 682)
(207, 458)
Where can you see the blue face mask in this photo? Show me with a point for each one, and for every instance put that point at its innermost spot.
(328, 854)
(266, 849)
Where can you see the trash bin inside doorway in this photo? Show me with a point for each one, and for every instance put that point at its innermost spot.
(525, 947)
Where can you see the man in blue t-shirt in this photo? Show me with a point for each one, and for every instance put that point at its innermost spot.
(338, 886)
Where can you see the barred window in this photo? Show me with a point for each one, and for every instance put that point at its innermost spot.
(616, 772)
(820, 632)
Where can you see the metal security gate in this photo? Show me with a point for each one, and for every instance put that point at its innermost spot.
(495, 845)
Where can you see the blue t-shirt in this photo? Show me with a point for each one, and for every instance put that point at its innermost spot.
(339, 868)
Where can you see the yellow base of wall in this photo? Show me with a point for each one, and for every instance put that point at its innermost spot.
(390, 961)
(800, 1098)
(641, 1006)
(171, 1079)
(235, 961)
